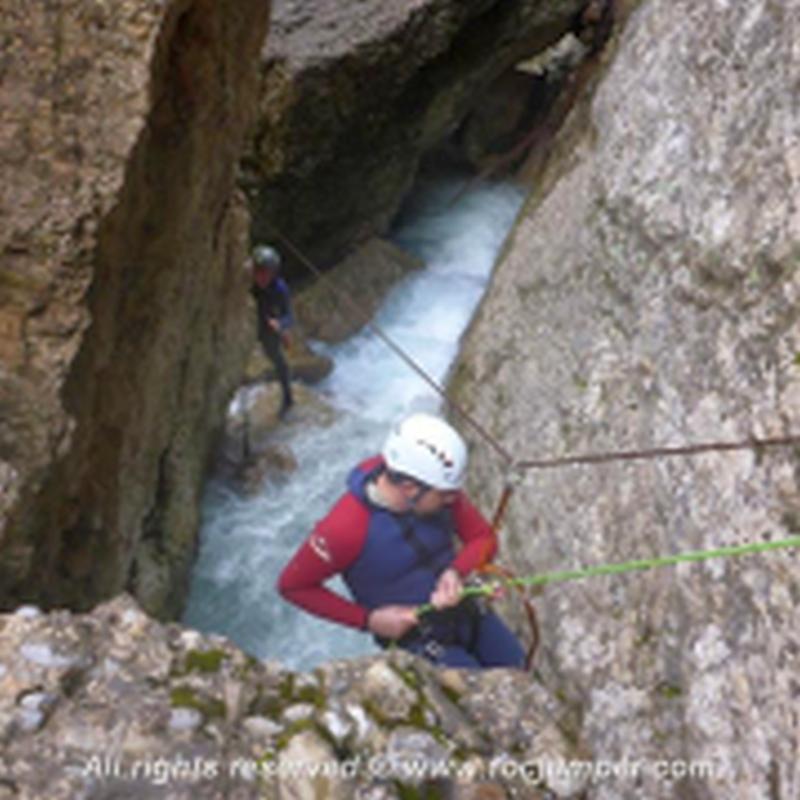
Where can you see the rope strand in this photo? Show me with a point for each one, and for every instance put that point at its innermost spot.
(518, 467)
(752, 443)
(397, 350)
(626, 566)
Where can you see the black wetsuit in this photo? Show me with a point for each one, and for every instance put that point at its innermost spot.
(273, 303)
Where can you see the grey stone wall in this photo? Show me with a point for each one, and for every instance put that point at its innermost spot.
(649, 296)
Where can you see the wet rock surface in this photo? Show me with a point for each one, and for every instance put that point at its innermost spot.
(668, 315)
(112, 703)
(255, 446)
(353, 95)
(341, 303)
(121, 288)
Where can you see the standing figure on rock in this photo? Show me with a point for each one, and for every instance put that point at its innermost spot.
(274, 309)
(403, 535)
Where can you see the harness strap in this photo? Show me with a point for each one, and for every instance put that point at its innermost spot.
(425, 630)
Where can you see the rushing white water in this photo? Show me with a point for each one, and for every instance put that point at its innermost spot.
(245, 542)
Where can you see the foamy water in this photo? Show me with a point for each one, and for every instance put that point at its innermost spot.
(245, 542)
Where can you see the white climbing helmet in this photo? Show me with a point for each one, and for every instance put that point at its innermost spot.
(428, 449)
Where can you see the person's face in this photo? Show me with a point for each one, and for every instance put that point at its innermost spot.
(263, 276)
(431, 500)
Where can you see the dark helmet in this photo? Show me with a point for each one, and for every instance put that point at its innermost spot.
(267, 257)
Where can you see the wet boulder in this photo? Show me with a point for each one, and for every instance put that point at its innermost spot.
(347, 297)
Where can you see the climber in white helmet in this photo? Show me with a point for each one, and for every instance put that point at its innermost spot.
(404, 535)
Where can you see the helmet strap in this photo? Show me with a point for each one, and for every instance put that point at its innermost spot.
(417, 496)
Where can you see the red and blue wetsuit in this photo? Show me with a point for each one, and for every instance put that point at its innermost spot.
(386, 558)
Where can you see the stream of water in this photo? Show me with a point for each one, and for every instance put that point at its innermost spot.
(245, 541)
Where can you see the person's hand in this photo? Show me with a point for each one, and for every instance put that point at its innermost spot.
(286, 340)
(274, 324)
(392, 622)
(497, 591)
(448, 590)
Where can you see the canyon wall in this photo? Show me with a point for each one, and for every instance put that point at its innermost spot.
(649, 297)
(353, 97)
(123, 295)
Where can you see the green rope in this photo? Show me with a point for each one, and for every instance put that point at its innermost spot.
(625, 566)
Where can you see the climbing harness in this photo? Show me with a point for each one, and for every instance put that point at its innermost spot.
(450, 620)
(498, 578)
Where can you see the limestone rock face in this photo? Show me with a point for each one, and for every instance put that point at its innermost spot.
(114, 704)
(649, 296)
(354, 93)
(121, 286)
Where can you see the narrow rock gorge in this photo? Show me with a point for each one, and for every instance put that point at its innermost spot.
(354, 95)
(648, 296)
(125, 314)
